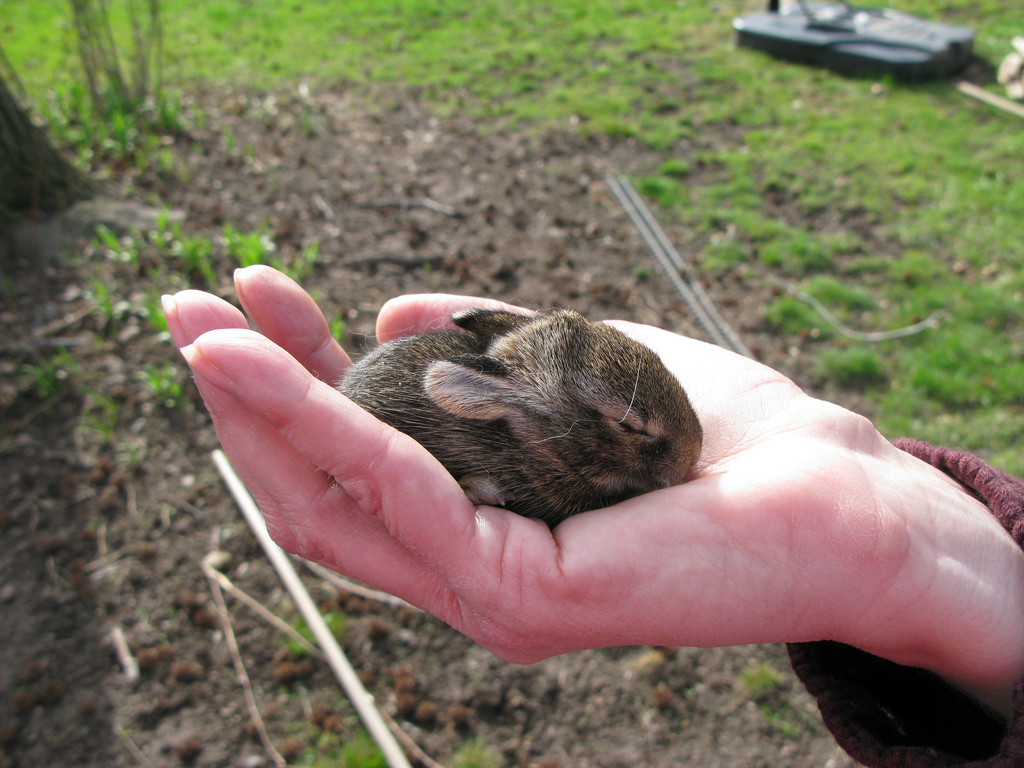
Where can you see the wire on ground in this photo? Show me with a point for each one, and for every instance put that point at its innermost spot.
(674, 265)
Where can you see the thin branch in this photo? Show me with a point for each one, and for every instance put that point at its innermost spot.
(361, 699)
(992, 99)
(226, 584)
(236, 658)
(426, 202)
(124, 654)
(339, 581)
(132, 747)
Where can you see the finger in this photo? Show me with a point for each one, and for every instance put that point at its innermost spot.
(429, 312)
(383, 483)
(190, 314)
(287, 315)
(308, 514)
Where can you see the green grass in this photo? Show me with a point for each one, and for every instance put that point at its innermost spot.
(909, 199)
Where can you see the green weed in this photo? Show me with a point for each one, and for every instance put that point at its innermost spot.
(335, 622)
(48, 377)
(676, 168)
(100, 415)
(362, 752)
(796, 254)
(851, 366)
(111, 311)
(761, 679)
(165, 383)
(795, 318)
(301, 266)
(476, 754)
(247, 249)
(338, 328)
(667, 191)
(123, 251)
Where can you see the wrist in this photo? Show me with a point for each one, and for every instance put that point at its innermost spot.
(955, 604)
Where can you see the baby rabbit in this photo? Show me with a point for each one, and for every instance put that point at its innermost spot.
(547, 416)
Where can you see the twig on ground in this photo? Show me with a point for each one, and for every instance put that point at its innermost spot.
(131, 746)
(361, 699)
(227, 585)
(124, 654)
(130, 501)
(426, 202)
(236, 657)
(339, 581)
(410, 744)
(323, 205)
(992, 99)
(60, 324)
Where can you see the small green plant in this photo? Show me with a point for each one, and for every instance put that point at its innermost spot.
(761, 680)
(643, 273)
(248, 249)
(335, 621)
(164, 381)
(793, 317)
(195, 254)
(783, 719)
(101, 414)
(724, 253)
(47, 378)
(666, 191)
(104, 305)
(476, 754)
(797, 254)
(338, 328)
(362, 752)
(123, 250)
(675, 168)
(851, 366)
(302, 265)
(835, 294)
(153, 311)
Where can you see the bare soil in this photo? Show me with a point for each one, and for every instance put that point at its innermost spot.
(109, 500)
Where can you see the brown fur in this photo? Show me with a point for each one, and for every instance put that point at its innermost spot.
(547, 416)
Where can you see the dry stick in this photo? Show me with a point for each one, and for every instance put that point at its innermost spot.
(994, 100)
(410, 744)
(426, 202)
(225, 583)
(358, 695)
(131, 746)
(337, 580)
(124, 654)
(236, 658)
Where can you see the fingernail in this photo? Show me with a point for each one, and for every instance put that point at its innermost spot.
(168, 304)
(204, 368)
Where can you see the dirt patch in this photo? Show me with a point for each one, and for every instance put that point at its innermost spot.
(108, 499)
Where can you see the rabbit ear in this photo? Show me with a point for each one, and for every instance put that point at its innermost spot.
(490, 322)
(471, 386)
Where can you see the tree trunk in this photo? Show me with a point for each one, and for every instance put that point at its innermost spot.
(35, 179)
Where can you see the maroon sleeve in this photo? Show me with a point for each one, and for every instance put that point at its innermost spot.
(885, 715)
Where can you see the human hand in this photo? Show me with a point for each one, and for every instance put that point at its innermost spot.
(801, 523)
